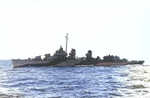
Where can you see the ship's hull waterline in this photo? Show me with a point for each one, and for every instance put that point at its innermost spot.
(21, 63)
(110, 63)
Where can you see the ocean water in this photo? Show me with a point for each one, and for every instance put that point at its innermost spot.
(127, 81)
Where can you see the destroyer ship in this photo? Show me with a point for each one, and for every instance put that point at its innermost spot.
(60, 59)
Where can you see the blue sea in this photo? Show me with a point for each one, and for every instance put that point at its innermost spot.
(126, 81)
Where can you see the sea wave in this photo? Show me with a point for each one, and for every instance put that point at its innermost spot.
(75, 82)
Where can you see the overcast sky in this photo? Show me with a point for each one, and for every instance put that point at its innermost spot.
(117, 27)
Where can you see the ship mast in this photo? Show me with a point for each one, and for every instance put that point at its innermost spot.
(66, 41)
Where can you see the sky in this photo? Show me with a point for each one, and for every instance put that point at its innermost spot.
(30, 28)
